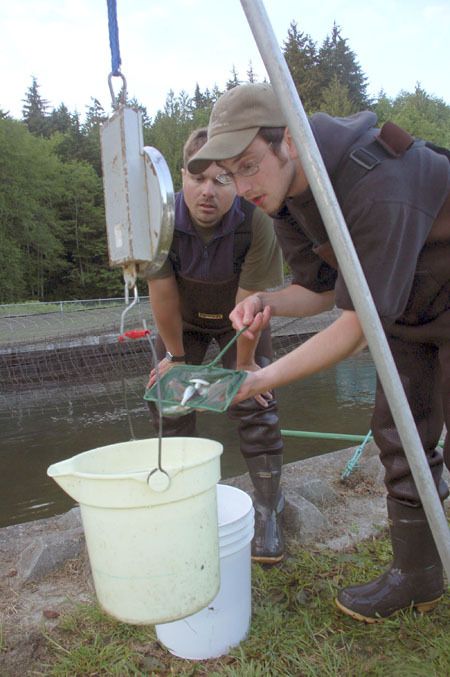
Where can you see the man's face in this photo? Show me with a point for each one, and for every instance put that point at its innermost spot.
(207, 199)
(277, 176)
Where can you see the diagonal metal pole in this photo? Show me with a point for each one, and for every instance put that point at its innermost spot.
(350, 267)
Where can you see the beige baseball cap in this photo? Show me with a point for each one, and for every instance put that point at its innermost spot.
(235, 120)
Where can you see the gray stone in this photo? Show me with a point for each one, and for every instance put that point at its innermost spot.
(373, 469)
(318, 492)
(302, 519)
(70, 520)
(49, 552)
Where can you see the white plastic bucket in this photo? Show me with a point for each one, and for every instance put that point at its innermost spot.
(152, 544)
(226, 620)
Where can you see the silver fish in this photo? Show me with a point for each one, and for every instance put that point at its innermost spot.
(199, 386)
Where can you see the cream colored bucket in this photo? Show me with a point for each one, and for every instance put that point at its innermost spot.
(152, 537)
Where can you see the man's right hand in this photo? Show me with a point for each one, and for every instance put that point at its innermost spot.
(163, 366)
(250, 313)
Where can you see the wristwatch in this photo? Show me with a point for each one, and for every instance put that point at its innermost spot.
(175, 358)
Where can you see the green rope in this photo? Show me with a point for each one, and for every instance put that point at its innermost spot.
(354, 461)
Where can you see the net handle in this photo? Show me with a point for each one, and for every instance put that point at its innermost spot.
(227, 347)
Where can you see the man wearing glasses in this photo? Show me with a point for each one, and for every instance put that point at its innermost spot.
(394, 192)
(223, 250)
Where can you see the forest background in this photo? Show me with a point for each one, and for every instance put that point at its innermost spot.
(52, 222)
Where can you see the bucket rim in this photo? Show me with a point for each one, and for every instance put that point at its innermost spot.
(228, 488)
(136, 474)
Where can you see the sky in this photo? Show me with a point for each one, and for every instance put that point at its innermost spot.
(175, 44)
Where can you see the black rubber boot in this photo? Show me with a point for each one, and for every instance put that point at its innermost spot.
(414, 579)
(265, 473)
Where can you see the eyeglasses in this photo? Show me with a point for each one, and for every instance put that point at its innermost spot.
(249, 168)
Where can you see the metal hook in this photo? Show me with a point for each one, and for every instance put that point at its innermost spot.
(128, 307)
(122, 97)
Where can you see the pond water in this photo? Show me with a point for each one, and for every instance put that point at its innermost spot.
(338, 401)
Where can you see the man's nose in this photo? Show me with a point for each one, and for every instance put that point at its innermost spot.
(208, 187)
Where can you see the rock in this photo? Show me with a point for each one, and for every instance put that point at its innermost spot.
(49, 552)
(302, 519)
(69, 520)
(319, 493)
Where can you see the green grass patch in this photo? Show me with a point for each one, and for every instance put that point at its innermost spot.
(296, 631)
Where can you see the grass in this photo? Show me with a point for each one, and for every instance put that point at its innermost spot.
(296, 631)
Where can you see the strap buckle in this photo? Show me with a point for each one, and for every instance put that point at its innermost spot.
(364, 158)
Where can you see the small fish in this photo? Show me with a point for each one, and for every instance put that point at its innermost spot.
(199, 386)
(188, 394)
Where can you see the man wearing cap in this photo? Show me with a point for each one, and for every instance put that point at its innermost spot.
(394, 192)
(223, 250)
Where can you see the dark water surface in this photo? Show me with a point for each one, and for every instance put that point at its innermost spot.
(339, 401)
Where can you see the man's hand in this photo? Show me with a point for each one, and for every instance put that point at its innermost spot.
(163, 366)
(251, 313)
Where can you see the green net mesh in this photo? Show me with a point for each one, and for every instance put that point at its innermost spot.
(188, 386)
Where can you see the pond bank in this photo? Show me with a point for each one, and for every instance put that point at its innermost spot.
(44, 569)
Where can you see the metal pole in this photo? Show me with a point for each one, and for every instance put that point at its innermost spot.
(350, 267)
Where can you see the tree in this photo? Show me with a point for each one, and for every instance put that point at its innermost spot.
(336, 100)
(90, 147)
(171, 127)
(199, 100)
(34, 110)
(383, 107)
(301, 57)
(60, 120)
(251, 77)
(29, 187)
(424, 116)
(134, 103)
(234, 80)
(81, 214)
(336, 60)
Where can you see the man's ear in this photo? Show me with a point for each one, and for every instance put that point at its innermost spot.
(292, 149)
(183, 174)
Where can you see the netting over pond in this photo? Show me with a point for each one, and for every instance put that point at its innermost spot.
(72, 351)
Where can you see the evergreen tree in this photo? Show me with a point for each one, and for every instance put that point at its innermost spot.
(199, 100)
(60, 120)
(383, 107)
(234, 80)
(134, 103)
(300, 53)
(83, 233)
(424, 116)
(251, 77)
(34, 110)
(90, 149)
(29, 189)
(336, 100)
(336, 59)
(170, 129)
